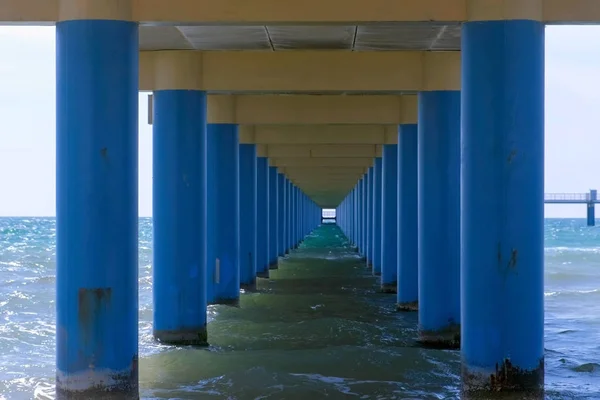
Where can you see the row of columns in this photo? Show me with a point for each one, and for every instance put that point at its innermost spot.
(221, 215)
(452, 216)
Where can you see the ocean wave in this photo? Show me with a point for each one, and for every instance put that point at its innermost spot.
(571, 292)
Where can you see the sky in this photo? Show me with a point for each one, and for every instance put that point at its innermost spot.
(27, 121)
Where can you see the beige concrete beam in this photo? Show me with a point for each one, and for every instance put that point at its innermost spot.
(252, 112)
(319, 134)
(311, 71)
(260, 12)
(364, 162)
(322, 150)
(322, 172)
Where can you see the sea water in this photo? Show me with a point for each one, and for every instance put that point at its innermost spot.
(317, 329)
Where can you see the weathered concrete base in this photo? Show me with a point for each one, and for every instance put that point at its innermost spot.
(408, 307)
(274, 265)
(377, 273)
(248, 287)
(263, 274)
(99, 384)
(447, 338)
(505, 382)
(183, 337)
(389, 287)
(227, 302)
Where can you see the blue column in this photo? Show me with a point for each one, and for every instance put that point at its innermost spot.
(292, 216)
(179, 216)
(503, 185)
(370, 217)
(280, 214)
(248, 216)
(360, 211)
(211, 215)
(365, 202)
(439, 218)
(288, 206)
(262, 218)
(96, 208)
(227, 261)
(273, 211)
(389, 219)
(408, 222)
(377, 174)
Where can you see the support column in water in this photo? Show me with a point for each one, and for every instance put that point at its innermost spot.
(370, 229)
(389, 219)
(248, 216)
(408, 221)
(368, 217)
(377, 175)
(211, 216)
(288, 220)
(227, 211)
(361, 211)
(96, 207)
(273, 213)
(280, 214)
(503, 184)
(262, 218)
(439, 218)
(179, 216)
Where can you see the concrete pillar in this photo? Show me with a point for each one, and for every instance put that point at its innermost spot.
(361, 212)
(370, 230)
(368, 217)
(280, 214)
(503, 185)
(408, 221)
(439, 218)
(389, 219)
(226, 208)
(211, 217)
(248, 216)
(179, 216)
(96, 208)
(377, 174)
(262, 217)
(289, 221)
(273, 211)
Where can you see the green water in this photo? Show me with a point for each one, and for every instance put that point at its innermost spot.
(317, 328)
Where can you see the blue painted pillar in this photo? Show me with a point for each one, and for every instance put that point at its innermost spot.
(294, 222)
(503, 185)
(365, 202)
(96, 208)
(369, 202)
(360, 211)
(377, 175)
(273, 211)
(262, 217)
(227, 195)
(408, 221)
(439, 218)
(179, 216)
(211, 215)
(248, 216)
(280, 214)
(389, 219)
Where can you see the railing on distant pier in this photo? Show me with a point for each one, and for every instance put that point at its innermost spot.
(571, 198)
(590, 199)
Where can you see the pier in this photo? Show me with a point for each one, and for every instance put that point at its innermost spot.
(398, 114)
(589, 199)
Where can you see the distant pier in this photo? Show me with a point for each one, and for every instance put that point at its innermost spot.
(590, 199)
